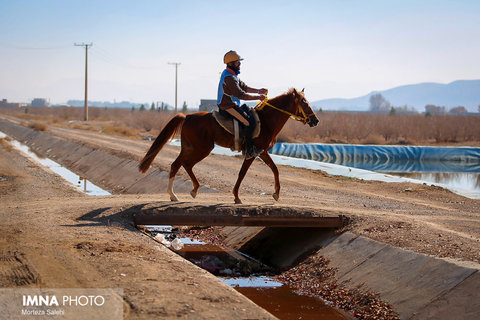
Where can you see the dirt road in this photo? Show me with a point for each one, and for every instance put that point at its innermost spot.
(53, 236)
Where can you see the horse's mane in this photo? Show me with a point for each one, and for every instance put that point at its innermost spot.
(284, 95)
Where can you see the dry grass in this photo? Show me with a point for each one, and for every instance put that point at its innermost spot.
(120, 131)
(37, 126)
(5, 143)
(84, 126)
(334, 127)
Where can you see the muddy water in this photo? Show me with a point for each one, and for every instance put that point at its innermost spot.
(251, 279)
(283, 303)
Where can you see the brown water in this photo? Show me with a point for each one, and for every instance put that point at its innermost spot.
(283, 303)
(278, 299)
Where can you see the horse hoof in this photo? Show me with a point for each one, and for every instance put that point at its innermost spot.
(238, 201)
(275, 196)
(193, 193)
(173, 198)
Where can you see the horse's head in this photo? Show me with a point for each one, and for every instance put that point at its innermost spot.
(303, 109)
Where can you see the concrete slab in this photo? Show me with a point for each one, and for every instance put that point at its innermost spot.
(236, 237)
(407, 280)
(74, 154)
(462, 302)
(155, 181)
(348, 251)
(102, 165)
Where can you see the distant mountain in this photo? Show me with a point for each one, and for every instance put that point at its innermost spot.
(458, 93)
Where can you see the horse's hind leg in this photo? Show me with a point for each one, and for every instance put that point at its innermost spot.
(191, 161)
(195, 183)
(173, 171)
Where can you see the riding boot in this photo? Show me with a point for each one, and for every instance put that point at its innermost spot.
(250, 149)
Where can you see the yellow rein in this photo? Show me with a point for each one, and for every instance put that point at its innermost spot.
(264, 103)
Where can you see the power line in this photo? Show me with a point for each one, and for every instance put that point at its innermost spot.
(86, 45)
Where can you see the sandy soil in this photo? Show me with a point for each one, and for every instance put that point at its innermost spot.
(53, 236)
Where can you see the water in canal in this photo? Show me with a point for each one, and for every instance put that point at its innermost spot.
(76, 180)
(249, 277)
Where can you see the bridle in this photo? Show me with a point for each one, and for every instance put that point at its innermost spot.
(302, 117)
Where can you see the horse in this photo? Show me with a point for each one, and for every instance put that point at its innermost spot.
(200, 132)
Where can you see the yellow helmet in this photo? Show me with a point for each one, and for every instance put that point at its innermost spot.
(231, 56)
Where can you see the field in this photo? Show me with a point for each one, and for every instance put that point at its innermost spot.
(334, 127)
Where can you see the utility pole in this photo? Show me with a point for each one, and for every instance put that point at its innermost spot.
(176, 75)
(86, 45)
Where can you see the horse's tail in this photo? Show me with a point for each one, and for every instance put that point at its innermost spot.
(168, 131)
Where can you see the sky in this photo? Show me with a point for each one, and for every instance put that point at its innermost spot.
(333, 49)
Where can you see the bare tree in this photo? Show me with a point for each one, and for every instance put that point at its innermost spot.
(433, 109)
(378, 103)
(459, 109)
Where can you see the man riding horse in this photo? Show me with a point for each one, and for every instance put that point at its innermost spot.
(230, 91)
(200, 131)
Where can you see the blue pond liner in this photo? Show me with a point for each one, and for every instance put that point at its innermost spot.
(387, 158)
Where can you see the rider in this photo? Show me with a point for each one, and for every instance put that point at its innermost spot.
(230, 90)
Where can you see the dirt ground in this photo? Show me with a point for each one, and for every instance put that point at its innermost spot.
(421, 218)
(53, 236)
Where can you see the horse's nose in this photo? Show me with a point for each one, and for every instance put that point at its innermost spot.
(313, 121)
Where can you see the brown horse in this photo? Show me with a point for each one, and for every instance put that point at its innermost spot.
(200, 132)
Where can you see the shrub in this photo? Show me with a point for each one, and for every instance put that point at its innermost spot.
(37, 126)
(120, 131)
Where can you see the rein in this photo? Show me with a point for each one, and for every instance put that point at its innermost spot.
(303, 117)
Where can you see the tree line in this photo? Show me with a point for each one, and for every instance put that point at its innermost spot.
(160, 107)
(378, 104)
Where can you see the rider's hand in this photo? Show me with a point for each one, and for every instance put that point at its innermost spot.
(262, 97)
(263, 91)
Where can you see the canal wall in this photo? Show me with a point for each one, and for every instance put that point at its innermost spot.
(108, 171)
(416, 285)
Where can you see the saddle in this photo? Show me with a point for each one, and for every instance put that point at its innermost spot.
(232, 126)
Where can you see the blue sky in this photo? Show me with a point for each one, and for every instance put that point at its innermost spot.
(331, 48)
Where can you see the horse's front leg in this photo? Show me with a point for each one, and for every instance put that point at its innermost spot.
(269, 162)
(246, 164)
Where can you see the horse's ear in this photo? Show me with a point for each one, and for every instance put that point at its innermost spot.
(303, 90)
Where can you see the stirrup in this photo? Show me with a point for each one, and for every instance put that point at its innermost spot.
(253, 153)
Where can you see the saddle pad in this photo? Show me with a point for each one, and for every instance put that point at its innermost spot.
(227, 123)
